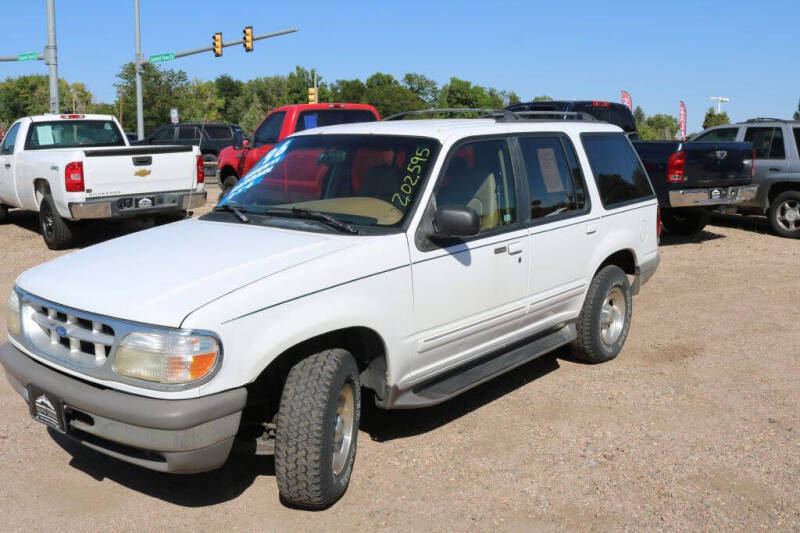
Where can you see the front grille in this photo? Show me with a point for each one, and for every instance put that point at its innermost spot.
(65, 334)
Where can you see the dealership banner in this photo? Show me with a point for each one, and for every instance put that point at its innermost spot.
(682, 121)
(626, 100)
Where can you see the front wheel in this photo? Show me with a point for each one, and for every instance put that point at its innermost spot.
(316, 429)
(784, 214)
(56, 231)
(685, 220)
(227, 184)
(605, 318)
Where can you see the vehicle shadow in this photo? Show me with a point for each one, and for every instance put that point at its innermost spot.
(190, 490)
(382, 425)
(756, 224)
(671, 239)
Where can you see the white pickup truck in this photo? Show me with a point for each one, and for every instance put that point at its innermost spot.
(77, 167)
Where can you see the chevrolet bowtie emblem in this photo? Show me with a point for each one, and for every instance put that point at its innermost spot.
(142, 173)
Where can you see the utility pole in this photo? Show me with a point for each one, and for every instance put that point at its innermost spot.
(51, 57)
(719, 100)
(137, 66)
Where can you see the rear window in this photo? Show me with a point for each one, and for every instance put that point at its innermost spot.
(720, 135)
(616, 114)
(620, 177)
(767, 142)
(218, 133)
(188, 133)
(331, 117)
(72, 134)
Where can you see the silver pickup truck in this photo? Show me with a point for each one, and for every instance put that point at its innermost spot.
(777, 169)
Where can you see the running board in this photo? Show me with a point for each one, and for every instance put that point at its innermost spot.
(473, 374)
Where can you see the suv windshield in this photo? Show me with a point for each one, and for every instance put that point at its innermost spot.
(357, 179)
(73, 133)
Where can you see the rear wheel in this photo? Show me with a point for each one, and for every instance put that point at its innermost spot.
(316, 429)
(228, 183)
(685, 220)
(784, 214)
(605, 318)
(56, 231)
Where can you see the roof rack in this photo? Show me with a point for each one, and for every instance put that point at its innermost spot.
(500, 115)
(765, 119)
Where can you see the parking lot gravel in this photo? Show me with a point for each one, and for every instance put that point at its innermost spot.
(694, 426)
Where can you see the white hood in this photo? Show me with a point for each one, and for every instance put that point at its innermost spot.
(161, 275)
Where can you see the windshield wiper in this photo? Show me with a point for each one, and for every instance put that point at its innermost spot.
(310, 214)
(235, 210)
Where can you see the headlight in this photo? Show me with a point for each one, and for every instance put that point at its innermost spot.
(168, 358)
(12, 315)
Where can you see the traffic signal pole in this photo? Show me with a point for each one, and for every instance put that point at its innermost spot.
(232, 43)
(137, 66)
(51, 57)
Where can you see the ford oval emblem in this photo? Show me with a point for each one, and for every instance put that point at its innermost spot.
(62, 331)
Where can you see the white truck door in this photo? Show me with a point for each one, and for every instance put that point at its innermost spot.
(469, 295)
(8, 187)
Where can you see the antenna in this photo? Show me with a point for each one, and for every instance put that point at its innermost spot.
(719, 100)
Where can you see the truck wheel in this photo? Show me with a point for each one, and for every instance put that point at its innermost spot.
(685, 221)
(784, 214)
(605, 318)
(316, 429)
(227, 184)
(56, 231)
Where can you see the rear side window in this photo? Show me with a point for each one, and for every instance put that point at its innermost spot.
(188, 133)
(619, 175)
(719, 135)
(270, 130)
(555, 182)
(164, 133)
(797, 139)
(331, 117)
(218, 133)
(767, 142)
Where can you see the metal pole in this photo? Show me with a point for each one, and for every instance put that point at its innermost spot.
(51, 57)
(138, 66)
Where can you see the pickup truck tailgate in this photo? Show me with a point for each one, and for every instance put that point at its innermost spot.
(711, 164)
(116, 171)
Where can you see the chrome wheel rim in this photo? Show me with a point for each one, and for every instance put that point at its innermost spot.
(612, 316)
(788, 215)
(343, 423)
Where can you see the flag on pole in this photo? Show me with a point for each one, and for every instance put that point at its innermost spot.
(682, 121)
(626, 100)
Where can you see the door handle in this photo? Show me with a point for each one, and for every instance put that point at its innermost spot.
(7, 165)
(591, 229)
(774, 169)
(514, 248)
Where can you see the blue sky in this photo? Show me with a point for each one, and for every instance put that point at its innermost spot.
(661, 52)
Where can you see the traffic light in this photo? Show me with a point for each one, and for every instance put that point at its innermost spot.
(312, 95)
(247, 38)
(218, 44)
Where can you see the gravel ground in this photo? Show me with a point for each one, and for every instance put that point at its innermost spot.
(694, 426)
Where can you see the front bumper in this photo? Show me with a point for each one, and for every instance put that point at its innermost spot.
(179, 436)
(712, 196)
(129, 206)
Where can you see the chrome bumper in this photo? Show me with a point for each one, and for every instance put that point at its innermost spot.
(124, 206)
(712, 196)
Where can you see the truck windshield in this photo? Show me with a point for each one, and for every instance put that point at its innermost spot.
(73, 134)
(371, 180)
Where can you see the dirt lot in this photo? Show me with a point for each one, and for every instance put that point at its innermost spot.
(694, 426)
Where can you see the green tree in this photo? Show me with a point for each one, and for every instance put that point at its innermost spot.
(253, 115)
(423, 87)
(228, 89)
(298, 83)
(638, 115)
(351, 91)
(202, 103)
(658, 128)
(161, 91)
(513, 98)
(542, 98)
(715, 119)
(30, 95)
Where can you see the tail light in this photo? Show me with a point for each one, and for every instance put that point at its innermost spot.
(601, 104)
(201, 170)
(71, 116)
(73, 176)
(658, 224)
(675, 167)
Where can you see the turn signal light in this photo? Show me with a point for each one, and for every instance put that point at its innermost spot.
(201, 170)
(675, 167)
(73, 176)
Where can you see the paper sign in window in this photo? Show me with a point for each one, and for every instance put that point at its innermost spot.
(549, 168)
(44, 134)
(310, 121)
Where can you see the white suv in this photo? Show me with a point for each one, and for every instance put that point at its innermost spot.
(414, 259)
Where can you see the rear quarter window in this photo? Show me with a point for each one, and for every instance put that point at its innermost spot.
(619, 174)
(218, 132)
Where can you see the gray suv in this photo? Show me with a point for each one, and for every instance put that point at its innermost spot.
(776, 144)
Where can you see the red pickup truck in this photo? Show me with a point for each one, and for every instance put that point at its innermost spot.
(233, 162)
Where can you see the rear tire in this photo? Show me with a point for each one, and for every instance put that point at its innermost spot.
(56, 231)
(784, 214)
(228, 183)
(605, 318)
(685, 220)
(316, 429)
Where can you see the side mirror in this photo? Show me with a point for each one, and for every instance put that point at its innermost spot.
(246, 143)
(456, 221)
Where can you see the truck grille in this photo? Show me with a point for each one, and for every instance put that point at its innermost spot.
(65, 334)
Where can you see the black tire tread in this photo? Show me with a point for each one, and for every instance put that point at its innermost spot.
(62, 232)
(772, 214)
(584, 346)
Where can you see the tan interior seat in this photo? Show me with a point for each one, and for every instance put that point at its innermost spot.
(485, 202)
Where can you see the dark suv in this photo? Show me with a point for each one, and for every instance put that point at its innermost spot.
(611, 112)
(211, 138)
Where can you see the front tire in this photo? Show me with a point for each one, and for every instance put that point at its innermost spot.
(316, 429)
(605, 318)
(685, 220)
(784, 214)
(56, 231)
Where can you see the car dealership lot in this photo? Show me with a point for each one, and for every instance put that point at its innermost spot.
(694, 425)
